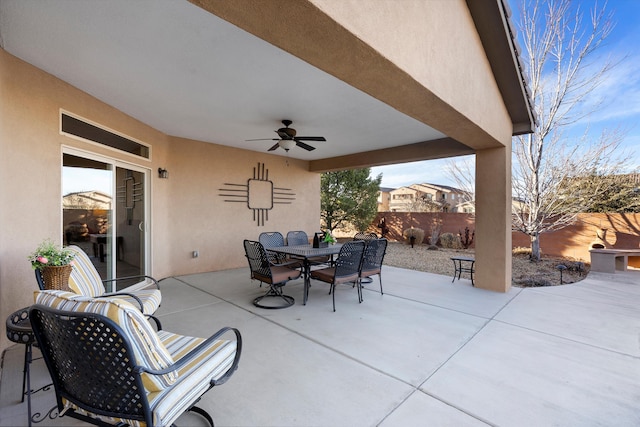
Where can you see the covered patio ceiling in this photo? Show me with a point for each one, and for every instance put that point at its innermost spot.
(188, 73)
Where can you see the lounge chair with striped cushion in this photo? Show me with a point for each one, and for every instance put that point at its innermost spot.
(110, 367)
(86, 281)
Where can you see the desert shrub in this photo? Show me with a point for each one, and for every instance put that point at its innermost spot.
(466, 237)
(450, 241)
(417, 233)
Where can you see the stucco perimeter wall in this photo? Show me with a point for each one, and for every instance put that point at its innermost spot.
(187, 212)
(620, 231)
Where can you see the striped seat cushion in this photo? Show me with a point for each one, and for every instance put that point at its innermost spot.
(148, 348)
(84, 279)
(193, 379)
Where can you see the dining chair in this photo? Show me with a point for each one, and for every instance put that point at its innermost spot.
(270, 239)
(275, 275)
(365, 236)
(295, 238)
(346, 269)
(372, 260)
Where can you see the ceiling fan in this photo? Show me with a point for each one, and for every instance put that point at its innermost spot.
(288, 138)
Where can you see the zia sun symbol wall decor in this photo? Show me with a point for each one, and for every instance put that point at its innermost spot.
(258, 193)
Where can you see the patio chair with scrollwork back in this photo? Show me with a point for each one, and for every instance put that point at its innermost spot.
(109, 366)
(372, 260)
(85, 280)
(346, 269)
(275, 275)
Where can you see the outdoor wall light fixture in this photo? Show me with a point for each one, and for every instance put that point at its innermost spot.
(163, 173)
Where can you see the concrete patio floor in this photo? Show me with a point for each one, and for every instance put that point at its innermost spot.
(427, 352)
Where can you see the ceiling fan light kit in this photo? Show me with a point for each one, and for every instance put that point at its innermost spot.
(288, 139)
(287, 144)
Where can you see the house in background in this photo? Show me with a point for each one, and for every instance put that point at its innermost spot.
(384, 199)
(166, 99)
(427, 197)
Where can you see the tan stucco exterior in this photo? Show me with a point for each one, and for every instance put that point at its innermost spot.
(451, 88)
(187, 212)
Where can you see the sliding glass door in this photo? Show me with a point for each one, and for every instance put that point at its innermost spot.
(104, 213)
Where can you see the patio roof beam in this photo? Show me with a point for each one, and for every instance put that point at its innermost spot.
(427, 150)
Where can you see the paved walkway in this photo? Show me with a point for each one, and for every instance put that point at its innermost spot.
(427, 352)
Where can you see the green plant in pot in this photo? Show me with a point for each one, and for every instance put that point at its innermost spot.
(54, 262)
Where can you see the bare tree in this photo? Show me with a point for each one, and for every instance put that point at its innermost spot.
(463, 172)
(559, 53)
(422, 204)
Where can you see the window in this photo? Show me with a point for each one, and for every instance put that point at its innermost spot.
(77, 127)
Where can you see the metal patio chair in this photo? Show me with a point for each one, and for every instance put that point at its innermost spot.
(372, 260)
(275, 275)
(85, 280)
(295, 238)
(109, 366)
(346, 269)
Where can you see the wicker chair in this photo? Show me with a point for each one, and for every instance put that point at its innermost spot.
(346, 269)
(372, 260)
(85, 280)
(110, 367)
(275, 275)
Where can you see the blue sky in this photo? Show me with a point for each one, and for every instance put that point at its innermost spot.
(620, 92)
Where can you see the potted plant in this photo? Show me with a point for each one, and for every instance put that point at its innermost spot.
(54, 262)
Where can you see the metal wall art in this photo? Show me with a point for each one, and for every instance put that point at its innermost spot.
(258, 193)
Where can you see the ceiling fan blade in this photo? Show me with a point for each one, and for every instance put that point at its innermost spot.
(263, 139)
(309, 138)
(305, 146)
(282, 135)
(277, 144)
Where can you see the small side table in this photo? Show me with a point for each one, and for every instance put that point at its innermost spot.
(463, 265)
(19, 331)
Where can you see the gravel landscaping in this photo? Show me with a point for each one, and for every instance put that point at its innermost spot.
(525, 273)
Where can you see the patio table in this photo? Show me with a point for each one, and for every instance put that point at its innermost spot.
(306, 252)
(463, 265)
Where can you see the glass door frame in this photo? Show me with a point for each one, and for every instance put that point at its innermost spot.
(115, 163)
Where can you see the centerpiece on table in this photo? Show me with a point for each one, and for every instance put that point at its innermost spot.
(55, 264)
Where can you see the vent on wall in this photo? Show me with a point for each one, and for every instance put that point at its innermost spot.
(76, 127)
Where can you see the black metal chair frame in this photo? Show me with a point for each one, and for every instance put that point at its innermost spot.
(270, 239)
(347, 264)
(295, 238)
(262, 270)
(91, 363)
(374, 253)
(365, 236)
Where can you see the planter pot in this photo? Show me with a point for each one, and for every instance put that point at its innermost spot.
(56, 277)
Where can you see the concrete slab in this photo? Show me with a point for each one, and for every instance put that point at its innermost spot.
(514, 376)
(427, 352)
(421, 409)
(576, 316)
(438, 290)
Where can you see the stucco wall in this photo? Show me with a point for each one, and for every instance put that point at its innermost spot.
(187, 212)
(620, 231)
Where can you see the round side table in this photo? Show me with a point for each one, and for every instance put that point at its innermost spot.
(19, 331)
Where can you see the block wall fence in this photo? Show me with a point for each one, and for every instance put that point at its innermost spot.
(619, 231)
